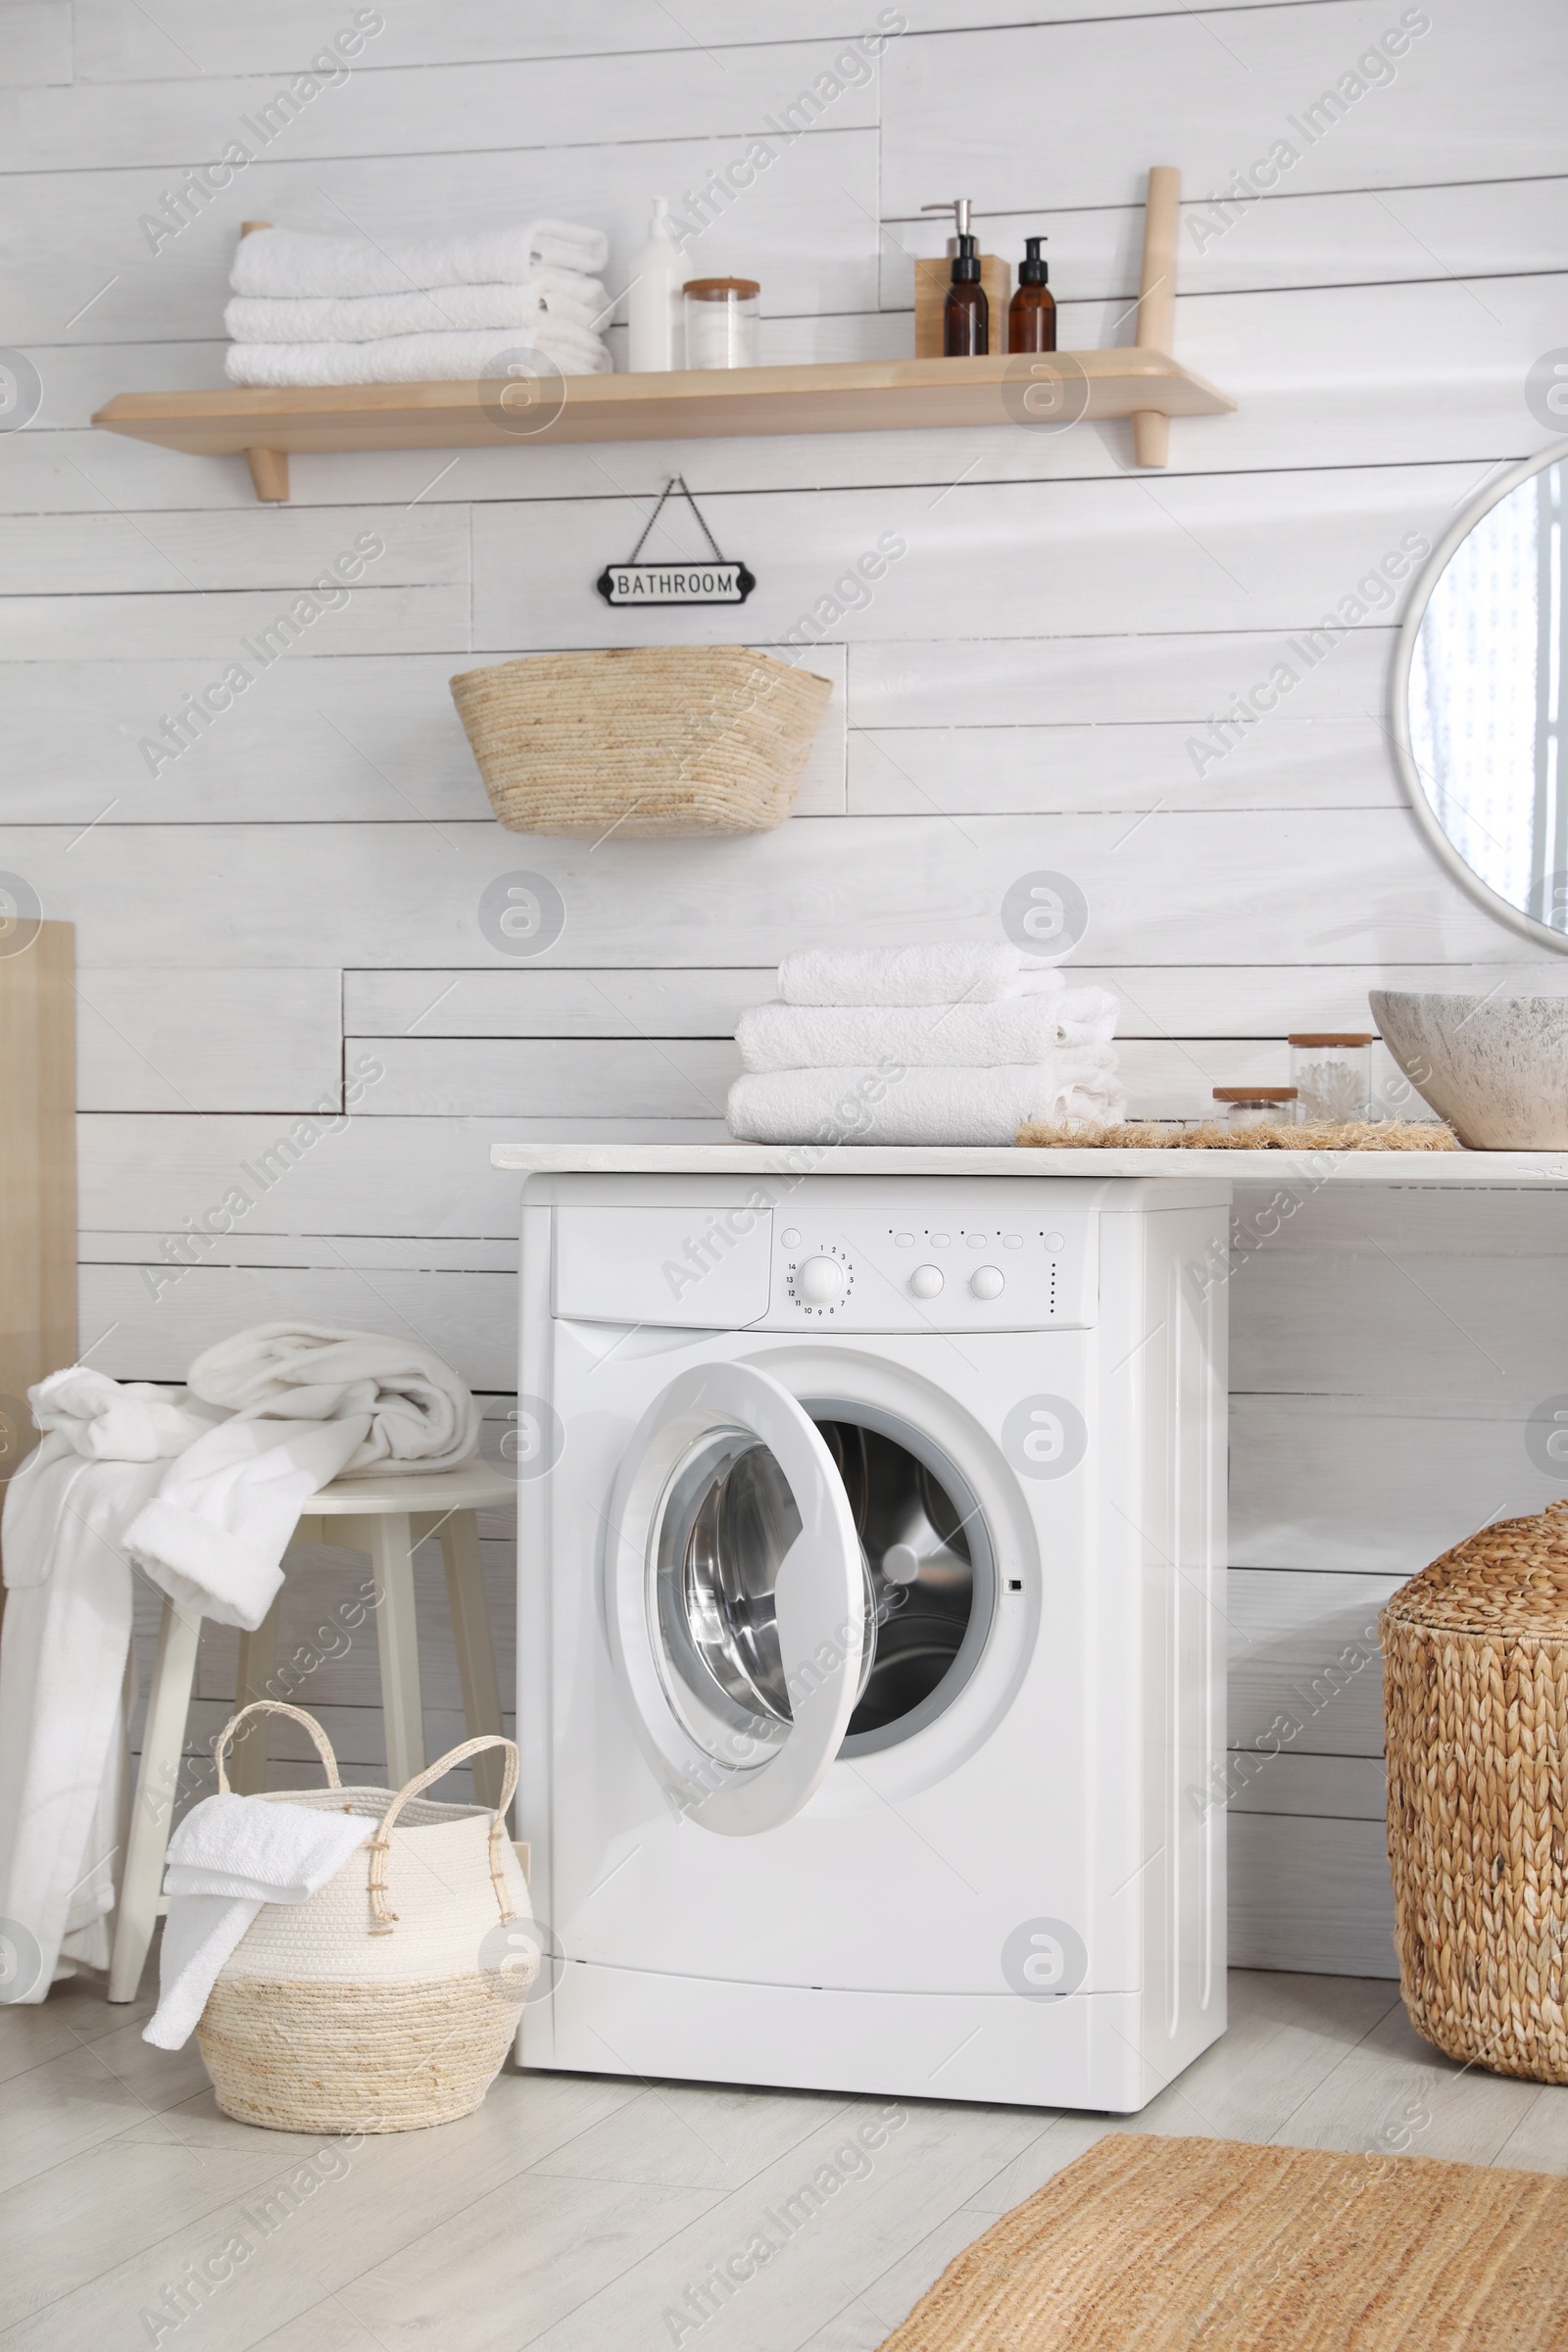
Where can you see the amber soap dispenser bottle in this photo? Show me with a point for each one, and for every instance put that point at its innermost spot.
(966, 313)
(1032, 311)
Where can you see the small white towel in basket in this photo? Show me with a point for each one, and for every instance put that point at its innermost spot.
(228, 1856)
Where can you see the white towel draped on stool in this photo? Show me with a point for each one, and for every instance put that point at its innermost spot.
(214, 1535)
(204, 1493)
(422, 1416)
(228, 1856)
(310, 1404)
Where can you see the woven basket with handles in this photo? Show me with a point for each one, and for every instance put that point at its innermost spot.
(641, 739)
(388, 2000)
(1475, 1703)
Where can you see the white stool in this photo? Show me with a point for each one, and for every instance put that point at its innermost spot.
(384, 1517)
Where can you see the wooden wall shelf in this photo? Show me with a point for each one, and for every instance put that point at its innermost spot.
(868, 396)
(1041, 393)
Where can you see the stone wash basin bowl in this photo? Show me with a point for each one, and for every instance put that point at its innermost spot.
(1495, 1068)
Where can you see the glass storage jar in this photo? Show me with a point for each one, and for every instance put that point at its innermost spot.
(722, 322)
(1332, 1072)
(1256, 1105)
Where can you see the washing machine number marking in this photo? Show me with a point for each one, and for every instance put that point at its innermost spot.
(820, 1281)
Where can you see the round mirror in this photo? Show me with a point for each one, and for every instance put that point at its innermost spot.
(1479, 683)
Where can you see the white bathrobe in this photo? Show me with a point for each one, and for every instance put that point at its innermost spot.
(65, 1672)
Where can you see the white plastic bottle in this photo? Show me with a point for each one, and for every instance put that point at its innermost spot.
(658, 334)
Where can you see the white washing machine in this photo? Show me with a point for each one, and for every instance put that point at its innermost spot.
(870, 1671)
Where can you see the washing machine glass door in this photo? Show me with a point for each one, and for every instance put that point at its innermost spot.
(739, 1600)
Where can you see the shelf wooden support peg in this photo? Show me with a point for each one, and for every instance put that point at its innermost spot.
(1156, 301)
(269, 472)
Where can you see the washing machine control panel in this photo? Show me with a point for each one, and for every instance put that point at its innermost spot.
(863, 1272)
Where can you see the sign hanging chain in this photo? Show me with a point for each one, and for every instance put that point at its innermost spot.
(676, 481)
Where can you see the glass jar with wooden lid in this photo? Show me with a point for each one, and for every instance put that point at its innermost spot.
(721, 315)
(1256, 1105)
(1332, 1069)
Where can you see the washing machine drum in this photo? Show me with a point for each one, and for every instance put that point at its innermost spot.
(788, 1581)
(724, 1537)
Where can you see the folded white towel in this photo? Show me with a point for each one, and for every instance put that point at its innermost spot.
(1019, 1029)
(299, 261)
(957, 974)
(229, 1855)
(422, 1416)
(557, 294)
(459, 358)
(930, 1105)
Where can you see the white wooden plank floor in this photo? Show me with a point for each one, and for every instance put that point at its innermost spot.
(576, 2212)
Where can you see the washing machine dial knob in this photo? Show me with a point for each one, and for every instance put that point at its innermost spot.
(926, 1281)
(988, 1282)
(820, 1281)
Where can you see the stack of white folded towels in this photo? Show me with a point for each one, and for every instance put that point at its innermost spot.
(947, 1045)
(320, 309)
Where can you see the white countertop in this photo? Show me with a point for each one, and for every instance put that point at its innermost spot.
(1505, 1169)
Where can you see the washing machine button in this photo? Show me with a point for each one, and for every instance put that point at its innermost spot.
(905, 1240)
(790, 1237)
(988, 1282)
(1054, 1242)
(820, 1281)
(926, 1281)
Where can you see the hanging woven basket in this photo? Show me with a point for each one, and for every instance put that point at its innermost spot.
(644, 740)
(388, 2000)
(1475, 1703)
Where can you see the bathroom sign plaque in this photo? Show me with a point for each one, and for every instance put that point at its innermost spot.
(715, 583)
(704, 580)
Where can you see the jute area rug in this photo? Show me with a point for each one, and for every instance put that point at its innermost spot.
(1207, 2245)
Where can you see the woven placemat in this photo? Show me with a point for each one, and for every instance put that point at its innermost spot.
(1166, 2245)
(1316, 1134)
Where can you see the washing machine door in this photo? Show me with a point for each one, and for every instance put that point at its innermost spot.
(738, 1598)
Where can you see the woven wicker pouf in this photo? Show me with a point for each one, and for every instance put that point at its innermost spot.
(1475, 1704)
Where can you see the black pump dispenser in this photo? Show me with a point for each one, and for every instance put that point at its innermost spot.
(1032, 311)
(966, 262)
(966, 309)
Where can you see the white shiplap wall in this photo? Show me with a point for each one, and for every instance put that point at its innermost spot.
(302, 888)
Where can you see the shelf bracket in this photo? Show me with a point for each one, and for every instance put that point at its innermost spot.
(1156, 301)
(269, 472)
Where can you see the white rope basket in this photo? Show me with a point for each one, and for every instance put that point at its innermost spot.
(388, 2000)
